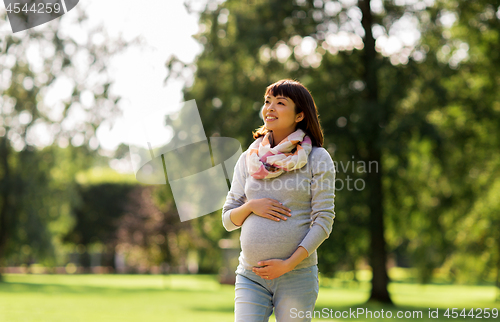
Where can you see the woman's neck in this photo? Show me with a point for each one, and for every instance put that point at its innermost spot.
(276, 138)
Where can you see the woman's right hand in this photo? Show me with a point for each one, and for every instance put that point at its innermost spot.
(269, 208)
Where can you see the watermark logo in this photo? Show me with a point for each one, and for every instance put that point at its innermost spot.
(172, 148)
(26, 14)
(358, 170)
(175, 150)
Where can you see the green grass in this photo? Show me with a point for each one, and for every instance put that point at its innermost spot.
(201, 298)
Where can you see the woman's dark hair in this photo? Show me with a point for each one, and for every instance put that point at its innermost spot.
(304, 102)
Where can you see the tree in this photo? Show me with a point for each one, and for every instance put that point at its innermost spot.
(404, 110)
(138, 221)
(37, 64)
(450, 148)
(249, 47)
(475, 85)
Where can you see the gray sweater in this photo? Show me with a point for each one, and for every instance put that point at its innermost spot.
(309, 192)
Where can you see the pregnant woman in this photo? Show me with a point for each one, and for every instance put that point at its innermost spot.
(282, 198)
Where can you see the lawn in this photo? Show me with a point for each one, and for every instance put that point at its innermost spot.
(201, 298)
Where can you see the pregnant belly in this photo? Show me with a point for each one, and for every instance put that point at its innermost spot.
(262, 238)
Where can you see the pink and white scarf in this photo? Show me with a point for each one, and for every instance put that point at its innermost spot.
(291, 153)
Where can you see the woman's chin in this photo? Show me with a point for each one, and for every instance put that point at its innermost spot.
(272, 127)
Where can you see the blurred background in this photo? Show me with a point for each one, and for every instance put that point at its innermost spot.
(407, 92)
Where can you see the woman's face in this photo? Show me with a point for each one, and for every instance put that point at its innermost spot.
(279, 114)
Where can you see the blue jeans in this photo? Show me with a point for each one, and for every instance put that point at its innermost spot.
(292, 295)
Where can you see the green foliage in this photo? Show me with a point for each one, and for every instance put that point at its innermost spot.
(97, 175)
(450, 164)
(428, 115)
(43, 189)
(37, 171)
(431, 113)
(97, 211)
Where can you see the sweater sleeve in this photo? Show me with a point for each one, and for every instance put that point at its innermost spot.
(236, 195)
(322, 201)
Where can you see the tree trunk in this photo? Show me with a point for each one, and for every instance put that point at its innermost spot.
(375, 112)
(378, 255)
(4, 195)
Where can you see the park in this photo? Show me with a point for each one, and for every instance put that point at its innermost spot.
(96, 153)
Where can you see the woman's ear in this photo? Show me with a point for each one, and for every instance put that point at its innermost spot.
(299, 117)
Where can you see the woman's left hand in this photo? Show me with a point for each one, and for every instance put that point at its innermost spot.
(272, 268)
